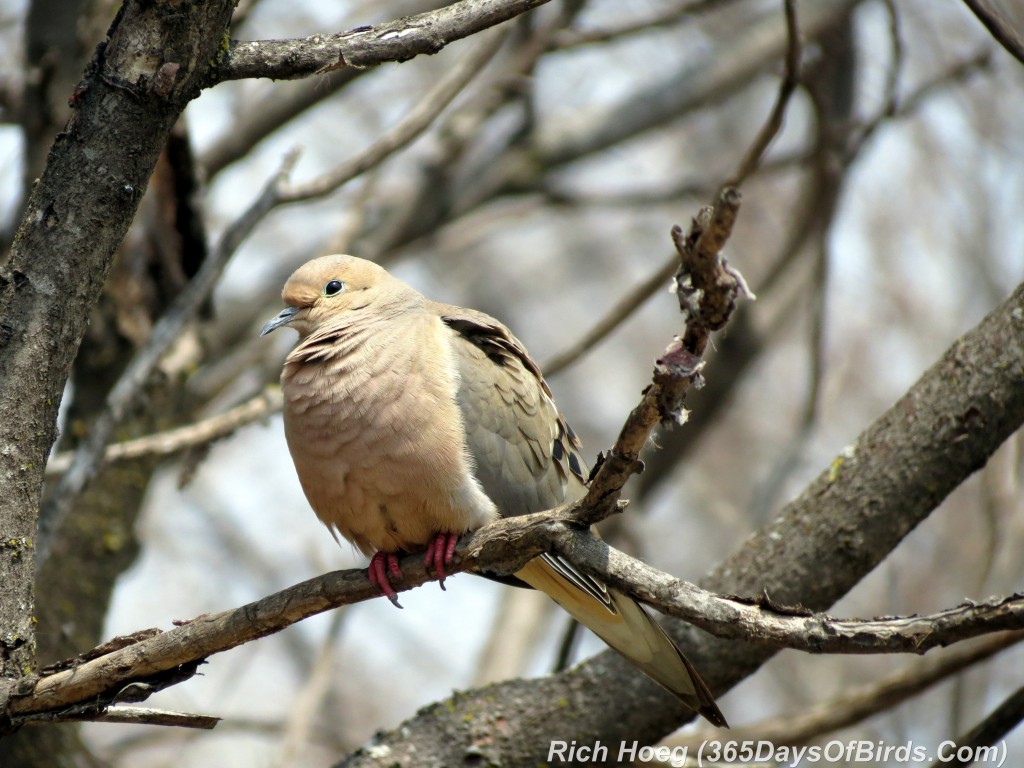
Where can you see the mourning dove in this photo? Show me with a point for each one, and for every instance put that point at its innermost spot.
(411, 422)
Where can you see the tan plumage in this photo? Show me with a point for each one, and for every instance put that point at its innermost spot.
(410, 421)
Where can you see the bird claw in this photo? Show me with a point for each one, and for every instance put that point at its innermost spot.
(380, 564)
(440, 553)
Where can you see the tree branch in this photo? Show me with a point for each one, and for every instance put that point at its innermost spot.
(133, 668)
(618, 314)
(761, 621)
(362, 47)
(790, 79)
(574, 38)
(77, 215)
(132, 716)
(194, 435)
(707, 290)
(979, 740)
(412, 125)
(123, 395)
(1003, 33)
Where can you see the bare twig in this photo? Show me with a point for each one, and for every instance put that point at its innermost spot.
(432, 198)
(707, 291)
(978, 377)
(273, 113)
(977, 745)
(281, 109)
(574, 38)
(892, 75)
(761, 621)
(790, 79)
(958, 72)
(1003, 33)
(411, 126)
(692, 86)
(132, 716)
(195, 435)
(567, 646)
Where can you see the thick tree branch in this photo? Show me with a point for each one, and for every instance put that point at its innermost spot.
(398, 40)
(89, 455)
(140, 80)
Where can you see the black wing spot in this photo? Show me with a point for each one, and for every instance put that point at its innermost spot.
(557, 451)
(574, 465)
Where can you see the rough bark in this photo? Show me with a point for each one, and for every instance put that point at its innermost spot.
(152, 64)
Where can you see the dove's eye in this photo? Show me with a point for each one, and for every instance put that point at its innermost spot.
(333, 287)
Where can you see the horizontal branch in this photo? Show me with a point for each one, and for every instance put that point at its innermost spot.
(760, 621)
(398, 40)
(91, 684)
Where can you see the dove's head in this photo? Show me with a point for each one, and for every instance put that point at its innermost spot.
(328, 290)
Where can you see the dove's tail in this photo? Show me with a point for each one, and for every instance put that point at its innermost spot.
(627, 627)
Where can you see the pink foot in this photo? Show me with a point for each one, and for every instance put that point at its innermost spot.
(380, 564)
(440, 553)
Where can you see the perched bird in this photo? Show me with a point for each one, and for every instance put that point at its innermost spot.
(411, 422)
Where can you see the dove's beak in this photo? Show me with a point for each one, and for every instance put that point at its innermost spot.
(284, 317)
